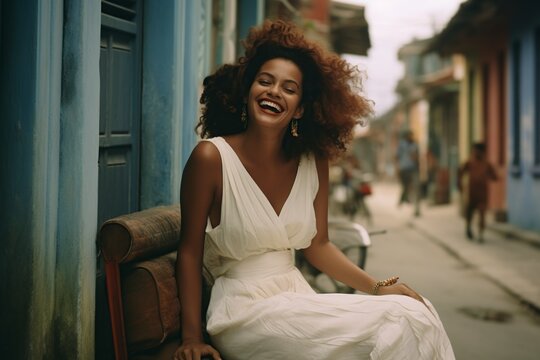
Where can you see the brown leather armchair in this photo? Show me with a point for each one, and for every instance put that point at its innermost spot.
(139, 250)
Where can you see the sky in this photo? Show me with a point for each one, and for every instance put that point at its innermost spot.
(393, 23)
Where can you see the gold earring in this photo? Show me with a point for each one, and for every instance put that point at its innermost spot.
(294, 127)
(243, 116)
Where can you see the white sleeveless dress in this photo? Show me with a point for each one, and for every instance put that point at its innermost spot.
(261, 307)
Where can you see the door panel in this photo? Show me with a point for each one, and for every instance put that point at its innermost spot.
(122, 85)
(119, 126)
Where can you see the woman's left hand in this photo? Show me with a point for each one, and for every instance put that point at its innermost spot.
(401, 289)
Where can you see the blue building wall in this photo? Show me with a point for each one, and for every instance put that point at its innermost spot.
(49, 101)
(250, 13)
(78, 181)
(22, 201)
(523, 193)
(162, 103)
(195, 59)
(175, 60)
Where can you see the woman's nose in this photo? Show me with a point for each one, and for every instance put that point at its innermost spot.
(273, 90)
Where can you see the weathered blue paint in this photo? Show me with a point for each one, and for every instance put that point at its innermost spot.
(175, 53)
(161, 99)
(21, 207)
(250, 13)
(196, 45)
(45, 157)
(78, 185)
(523, 197)
(49, 181)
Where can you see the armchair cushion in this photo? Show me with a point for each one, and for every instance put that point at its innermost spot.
(150, 300)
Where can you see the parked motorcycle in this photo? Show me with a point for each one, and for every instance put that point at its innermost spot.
(351, 194)
(359, 188)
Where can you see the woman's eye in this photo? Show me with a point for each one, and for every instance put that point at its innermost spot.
(264, 82)
(290, 90)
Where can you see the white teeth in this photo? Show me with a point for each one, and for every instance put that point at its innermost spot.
(271, 104)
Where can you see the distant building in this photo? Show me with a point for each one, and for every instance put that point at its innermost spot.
(337, 26)
(500, 98)
(479, 31)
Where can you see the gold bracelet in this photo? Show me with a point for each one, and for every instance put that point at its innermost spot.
(387, 282)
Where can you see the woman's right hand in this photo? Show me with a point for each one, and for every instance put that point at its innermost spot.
(194, 350)
(401, 289)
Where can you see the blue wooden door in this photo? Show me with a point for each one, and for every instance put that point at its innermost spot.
(119, 127)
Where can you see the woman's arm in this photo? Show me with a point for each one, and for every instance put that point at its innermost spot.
(200, 180)
(326, 257)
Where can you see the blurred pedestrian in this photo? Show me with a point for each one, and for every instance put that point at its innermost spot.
(407, 163)
(480, 172)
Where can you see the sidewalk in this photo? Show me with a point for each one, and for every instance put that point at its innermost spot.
(510, 257)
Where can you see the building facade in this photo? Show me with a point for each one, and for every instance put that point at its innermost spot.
(479, 32)
(523, 188)
(499, 97)
(99, 101)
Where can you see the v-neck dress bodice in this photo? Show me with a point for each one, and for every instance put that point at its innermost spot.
(262, 308)
(249, 225)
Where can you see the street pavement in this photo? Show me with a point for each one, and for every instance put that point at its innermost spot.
(509, 256)
(486, 294)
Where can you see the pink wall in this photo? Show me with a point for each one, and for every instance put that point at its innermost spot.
(493, 65)
(318, 10)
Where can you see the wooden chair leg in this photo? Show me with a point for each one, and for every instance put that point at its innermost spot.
(114, 296)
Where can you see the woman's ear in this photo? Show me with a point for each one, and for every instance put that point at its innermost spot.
(299, 112)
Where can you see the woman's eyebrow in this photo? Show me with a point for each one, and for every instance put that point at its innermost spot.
(266, 73)
(293, 81)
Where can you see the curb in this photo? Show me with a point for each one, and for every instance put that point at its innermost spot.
(511, 289)
(511, 232)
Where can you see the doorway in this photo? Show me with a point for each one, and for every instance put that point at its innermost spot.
(119, 134)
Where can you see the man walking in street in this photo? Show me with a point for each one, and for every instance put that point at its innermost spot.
(480, 171)
(407, 162)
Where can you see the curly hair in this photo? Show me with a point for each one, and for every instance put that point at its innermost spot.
(331, 91)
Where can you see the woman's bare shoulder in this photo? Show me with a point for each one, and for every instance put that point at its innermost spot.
(206, 153)
(204, 162)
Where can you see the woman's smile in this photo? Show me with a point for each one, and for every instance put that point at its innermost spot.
(271, 106)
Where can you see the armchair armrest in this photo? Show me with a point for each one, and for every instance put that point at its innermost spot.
(144, 234)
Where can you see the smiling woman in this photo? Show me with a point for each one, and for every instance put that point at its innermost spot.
(255, 188)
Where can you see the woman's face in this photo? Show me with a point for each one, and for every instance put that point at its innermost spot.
(275, 94)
